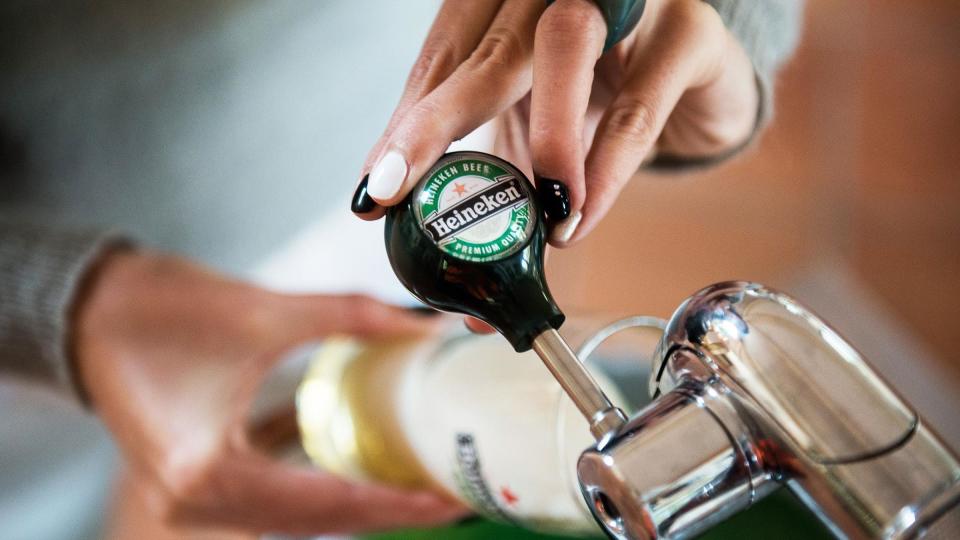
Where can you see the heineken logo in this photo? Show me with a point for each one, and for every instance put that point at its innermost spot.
(475, 207)
(488, 202)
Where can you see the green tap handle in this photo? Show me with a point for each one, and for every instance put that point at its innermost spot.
(469, 238)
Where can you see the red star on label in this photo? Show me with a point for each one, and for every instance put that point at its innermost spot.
(509, 497)
(459, 189)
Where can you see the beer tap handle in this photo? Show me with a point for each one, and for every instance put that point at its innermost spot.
(470, 238)
(604, 418)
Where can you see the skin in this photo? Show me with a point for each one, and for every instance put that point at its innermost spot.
(679, 84)
(171, 356)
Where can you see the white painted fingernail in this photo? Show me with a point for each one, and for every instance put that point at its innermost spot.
(563, 230)
(388, 176)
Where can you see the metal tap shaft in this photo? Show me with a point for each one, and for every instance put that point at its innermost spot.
(603, 417)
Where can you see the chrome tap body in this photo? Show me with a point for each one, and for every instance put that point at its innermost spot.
(753, 391)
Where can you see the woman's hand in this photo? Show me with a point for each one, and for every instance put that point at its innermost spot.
(171, 356)
(679, 86)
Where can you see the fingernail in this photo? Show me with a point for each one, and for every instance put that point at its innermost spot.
(388, 176)
(362, 203)
(555, 199)
(563, 231)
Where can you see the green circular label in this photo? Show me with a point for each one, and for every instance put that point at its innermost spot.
(475, 207)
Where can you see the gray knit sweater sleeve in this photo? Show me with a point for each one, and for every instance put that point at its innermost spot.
(41, 271)
(768, 30)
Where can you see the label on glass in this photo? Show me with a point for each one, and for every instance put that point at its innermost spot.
(475, 207)
(494, 428)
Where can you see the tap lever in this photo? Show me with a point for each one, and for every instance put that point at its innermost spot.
(604, 418)
(756, 392)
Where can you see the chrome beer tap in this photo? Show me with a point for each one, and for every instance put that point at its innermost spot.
(753, 391)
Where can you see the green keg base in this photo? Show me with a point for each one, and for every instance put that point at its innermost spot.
(778, 516)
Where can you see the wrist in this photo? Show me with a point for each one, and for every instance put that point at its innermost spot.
(99, 293)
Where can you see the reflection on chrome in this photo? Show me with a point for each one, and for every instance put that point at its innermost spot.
(755, 392)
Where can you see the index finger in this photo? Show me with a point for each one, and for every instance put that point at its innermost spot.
(454, 34)
(493, 78)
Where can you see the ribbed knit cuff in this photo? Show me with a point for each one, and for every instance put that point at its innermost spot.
(41, 272)
(768, 31)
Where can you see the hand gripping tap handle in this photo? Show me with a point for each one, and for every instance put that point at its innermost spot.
(469, 238)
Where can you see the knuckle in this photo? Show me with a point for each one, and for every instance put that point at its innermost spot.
(708, 23)
(426, 110)
(695, 17)
(633, 119)
(501, 47)
(699, 33)
(437, 60)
